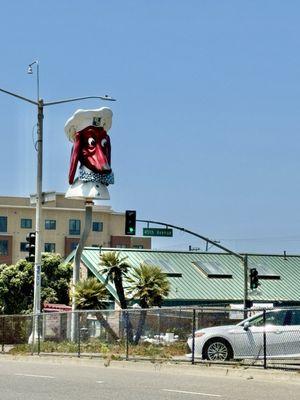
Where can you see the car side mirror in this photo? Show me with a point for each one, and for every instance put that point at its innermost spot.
(246, 325)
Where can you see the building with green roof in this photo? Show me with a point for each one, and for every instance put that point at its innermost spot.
(215, 279)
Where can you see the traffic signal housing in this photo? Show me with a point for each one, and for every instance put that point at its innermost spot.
(130, 222)
(253, 278)
(30, 246)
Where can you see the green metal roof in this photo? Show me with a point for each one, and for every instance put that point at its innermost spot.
(194, 286)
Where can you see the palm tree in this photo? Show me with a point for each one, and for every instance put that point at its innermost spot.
(149, 284)
(90, 294)
(115, 267)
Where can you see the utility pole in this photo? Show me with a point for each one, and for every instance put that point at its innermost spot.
(38, 218)
(246, 305)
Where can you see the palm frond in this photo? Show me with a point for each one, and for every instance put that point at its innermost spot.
(149, 284)
(112, 263)
(90, 294)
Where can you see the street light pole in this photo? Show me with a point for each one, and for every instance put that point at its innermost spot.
(38, 212)
(38, 207)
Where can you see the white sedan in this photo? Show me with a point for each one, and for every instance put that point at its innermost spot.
(246, 339)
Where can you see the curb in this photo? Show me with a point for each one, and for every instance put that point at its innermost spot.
(169, 367)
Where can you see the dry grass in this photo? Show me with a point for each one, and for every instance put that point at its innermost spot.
(114, 351)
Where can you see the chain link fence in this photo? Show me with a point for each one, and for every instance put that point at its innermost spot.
(268, 338)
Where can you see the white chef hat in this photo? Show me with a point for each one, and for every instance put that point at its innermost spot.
(83, 118)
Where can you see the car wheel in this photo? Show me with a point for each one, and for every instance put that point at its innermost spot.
(217, 349)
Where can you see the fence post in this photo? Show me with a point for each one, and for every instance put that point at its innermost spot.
(3, 340)
(77, 316)
(193, 337)
(33, 333)
(127, 331)
(265, 340)
(38, 332)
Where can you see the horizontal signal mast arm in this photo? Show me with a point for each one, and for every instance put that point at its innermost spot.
(240, 256)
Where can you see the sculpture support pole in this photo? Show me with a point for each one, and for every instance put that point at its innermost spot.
(76, 266)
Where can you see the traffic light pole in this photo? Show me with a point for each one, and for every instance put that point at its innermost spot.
(245, 285)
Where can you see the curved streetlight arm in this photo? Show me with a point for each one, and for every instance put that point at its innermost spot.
(240, 256)
(108, 98)
(19, 97)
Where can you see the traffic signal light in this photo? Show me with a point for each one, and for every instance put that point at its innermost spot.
(130, 222)
(30, 246)
(254, 278)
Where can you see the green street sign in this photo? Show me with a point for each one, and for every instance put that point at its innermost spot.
(157, 232)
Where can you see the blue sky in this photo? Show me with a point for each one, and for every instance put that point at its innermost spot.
(206, 125)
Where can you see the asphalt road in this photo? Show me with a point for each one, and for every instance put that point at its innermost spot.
(65, 379)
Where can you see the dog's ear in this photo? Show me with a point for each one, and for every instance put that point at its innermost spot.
(74, 158)
(108, 150)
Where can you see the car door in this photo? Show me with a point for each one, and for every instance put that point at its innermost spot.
(247, 343)
(292, 334)
(250, 342)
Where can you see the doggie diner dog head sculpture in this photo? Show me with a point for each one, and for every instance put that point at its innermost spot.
(87, 129)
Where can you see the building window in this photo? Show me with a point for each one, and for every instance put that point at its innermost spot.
(3, 224)
(3, 247)
(137, 246)
(23, 246)
(50, 224)
(74, 227)
(121, 246)
(97, 226)
(26, 223)
(50, 247)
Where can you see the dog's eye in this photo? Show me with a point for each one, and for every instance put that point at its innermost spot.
(91, 141)
(103, 142)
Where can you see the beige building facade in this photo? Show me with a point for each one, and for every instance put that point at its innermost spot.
(62, 224)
